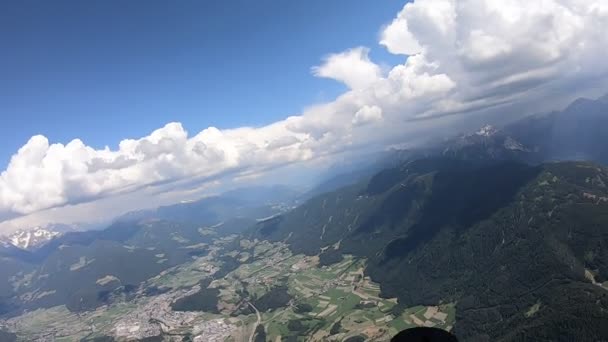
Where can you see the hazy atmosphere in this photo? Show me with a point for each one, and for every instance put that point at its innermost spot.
(426, 69)
(303, 171)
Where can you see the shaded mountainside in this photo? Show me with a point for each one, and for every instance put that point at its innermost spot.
(521, 250)
(576, 133)
(488, 143)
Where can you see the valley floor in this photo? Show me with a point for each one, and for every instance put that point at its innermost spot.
(329, 303)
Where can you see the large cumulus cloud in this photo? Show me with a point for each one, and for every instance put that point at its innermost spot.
(495, 50)
(459, 56)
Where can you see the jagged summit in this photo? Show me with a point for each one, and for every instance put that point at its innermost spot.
(487, 130)
(34, 237)
(26, 239)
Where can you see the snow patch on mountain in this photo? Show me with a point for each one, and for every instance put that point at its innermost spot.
(487, 131)
(31, 238)
(513, 145)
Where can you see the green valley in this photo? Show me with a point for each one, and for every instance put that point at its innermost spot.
(487, 250)
(325, 303)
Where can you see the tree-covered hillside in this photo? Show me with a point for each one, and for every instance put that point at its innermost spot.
(521, 250)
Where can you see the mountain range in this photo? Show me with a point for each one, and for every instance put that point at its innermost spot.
(30, 238)
(518, 248)
(506, 225)
(139, 245)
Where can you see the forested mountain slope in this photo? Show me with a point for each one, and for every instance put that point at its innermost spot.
(520, 249)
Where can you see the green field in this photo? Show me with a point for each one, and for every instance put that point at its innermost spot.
(338, 296)
(336, 293)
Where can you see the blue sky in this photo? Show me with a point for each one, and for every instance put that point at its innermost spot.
(117, 69)
(393, 75)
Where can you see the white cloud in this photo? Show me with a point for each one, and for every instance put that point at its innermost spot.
(42, 175)
(491, 48)
(367, 114)
(462, 56)
(417, 24)
(397, 38)
(352, 67)
(284, 141)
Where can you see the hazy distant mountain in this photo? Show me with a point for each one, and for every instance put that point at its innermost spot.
(576, 133)
(242, 202)
(35, 237)
(29, 239)
(488, 143)
(480, 220)
(343, 175)
(65, 269)
(338, 181)
(271, 194)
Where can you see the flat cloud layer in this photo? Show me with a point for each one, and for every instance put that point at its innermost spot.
(460, 56)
